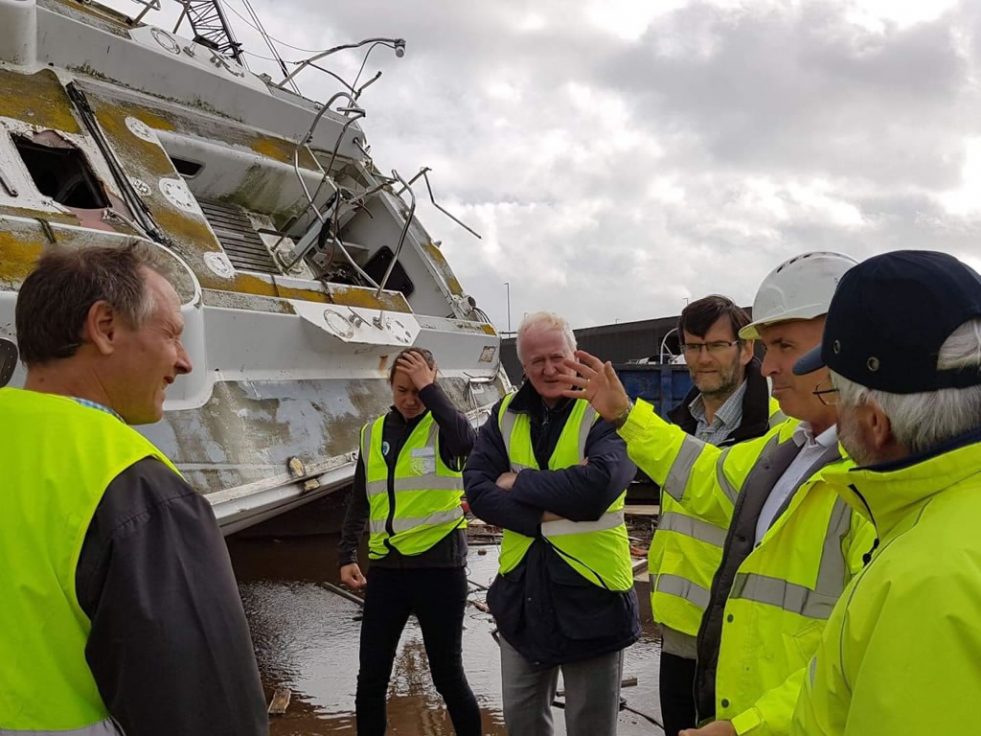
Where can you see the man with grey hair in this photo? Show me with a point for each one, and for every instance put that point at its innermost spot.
(553, 475)
(120, 611)
(900, 650)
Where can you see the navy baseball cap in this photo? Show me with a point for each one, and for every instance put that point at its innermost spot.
(889, 317)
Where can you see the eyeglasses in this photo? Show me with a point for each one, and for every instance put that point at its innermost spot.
(826, 395)
(713, 348)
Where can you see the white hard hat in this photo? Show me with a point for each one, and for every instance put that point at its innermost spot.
(800, 288)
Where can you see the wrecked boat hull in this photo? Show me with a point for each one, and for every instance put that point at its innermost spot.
(301, 267)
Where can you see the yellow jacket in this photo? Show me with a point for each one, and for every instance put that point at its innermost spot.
(684, 555)
(901, 653)
(772, 614)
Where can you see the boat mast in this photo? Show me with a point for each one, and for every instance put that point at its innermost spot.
(210, 26)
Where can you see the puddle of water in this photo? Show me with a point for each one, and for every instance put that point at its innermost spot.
(306, 639)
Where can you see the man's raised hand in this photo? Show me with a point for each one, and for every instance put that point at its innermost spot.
(598, 384)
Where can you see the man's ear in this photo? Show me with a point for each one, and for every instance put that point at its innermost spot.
(879, 428)
(746, 351)
(100, 327)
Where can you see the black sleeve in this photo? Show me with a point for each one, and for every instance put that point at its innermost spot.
(487, 500)
(581, 492)
(355, 518)
(456, 434)
(170, 648)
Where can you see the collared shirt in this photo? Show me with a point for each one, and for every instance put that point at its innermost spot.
(726, 420)
(811, 448)
(96, 405)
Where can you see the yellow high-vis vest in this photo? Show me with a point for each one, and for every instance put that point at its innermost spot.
(427, 493)
(58, 457)
(685, 553)
(598, 550)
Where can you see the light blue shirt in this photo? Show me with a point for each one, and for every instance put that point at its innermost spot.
(96, 405)
(727, 418)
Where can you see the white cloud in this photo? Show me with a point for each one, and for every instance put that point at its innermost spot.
(619, 157)
(627, 20)
(877, 15)
(965, 199)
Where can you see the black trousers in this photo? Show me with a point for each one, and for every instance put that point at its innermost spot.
(677, 689)
(438, 598)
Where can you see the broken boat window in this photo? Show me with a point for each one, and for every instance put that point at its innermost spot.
(185, 168)
(398, 280)
(60, 171)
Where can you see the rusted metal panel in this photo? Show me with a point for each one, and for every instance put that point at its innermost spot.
(39, 99)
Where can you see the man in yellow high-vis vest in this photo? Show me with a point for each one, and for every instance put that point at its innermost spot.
(900, 652)
(792, 544)
(728, 403)
(552, 475)
(120, 612)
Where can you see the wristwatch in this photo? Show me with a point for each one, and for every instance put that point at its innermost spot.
(621, 418)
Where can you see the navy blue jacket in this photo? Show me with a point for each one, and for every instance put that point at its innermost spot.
(545, 609)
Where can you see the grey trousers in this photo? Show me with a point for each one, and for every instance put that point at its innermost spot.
(592, 695)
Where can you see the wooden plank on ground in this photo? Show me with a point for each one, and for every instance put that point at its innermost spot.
(280, 701)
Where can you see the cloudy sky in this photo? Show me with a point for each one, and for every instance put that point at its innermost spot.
(619, 157)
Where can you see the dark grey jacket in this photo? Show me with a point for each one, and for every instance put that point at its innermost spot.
(169, 647)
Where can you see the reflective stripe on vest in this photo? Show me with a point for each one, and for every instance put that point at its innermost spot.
(433, 482)
(777, 417)
(598, 550)
(684, 462)
(426, 493)
(609, 520)
(693, 527)
(720, 475)
(677, 479)
(682, 588)
(799, 599)
(402, 524)
(102, 728)
(507, 431)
